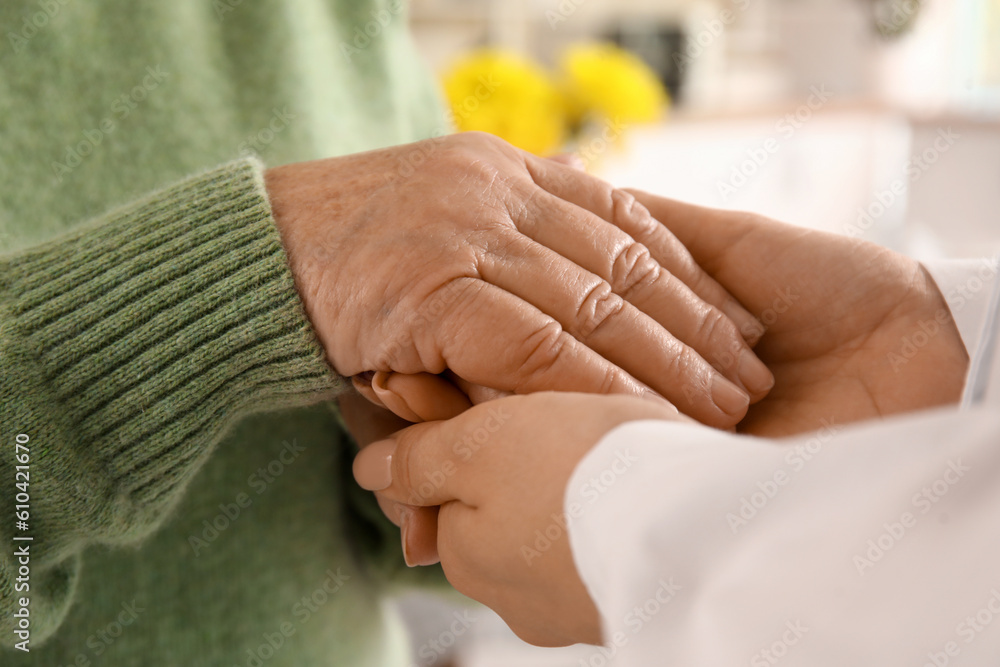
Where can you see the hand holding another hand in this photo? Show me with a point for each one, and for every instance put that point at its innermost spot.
(837, 312)
(512, 271)
(499, 473)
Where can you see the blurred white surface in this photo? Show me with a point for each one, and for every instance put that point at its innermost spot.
(918, 186)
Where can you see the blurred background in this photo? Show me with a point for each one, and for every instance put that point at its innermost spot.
(878, 119)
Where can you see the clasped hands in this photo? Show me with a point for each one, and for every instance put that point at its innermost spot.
(464, 295)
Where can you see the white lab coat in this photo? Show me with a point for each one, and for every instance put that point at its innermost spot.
(871, 544)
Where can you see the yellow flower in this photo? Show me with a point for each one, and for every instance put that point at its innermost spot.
(605, 80)
(509, 96)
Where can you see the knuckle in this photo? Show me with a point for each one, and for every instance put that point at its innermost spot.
(708, 325)
(724, 338)
(687, 369)
(480, 138)
(678, 365)
(628, 212)
(482, 170)
(599, 306)
(728, 332)
(541, 352)
(609, 383)
(402, 459)
(695, 278)
(633, 268)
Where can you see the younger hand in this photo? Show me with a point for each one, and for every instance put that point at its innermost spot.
(837, 312)
(499, 472)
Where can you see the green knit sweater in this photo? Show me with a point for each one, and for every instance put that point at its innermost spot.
(187, 492)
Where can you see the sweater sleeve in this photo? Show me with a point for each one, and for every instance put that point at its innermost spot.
(127, 348)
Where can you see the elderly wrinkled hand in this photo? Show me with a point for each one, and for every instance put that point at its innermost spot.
(513, 272)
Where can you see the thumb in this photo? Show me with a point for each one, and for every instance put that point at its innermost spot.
(417, 466)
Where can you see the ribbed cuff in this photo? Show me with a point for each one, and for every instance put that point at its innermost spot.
(159, 324)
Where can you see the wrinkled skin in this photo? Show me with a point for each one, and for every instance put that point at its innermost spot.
(511, 271)
(840, 311)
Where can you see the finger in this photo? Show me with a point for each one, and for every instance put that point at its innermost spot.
(587, 307)
(391, 509)
(419, 535)
(476, 393)
(418, 529)
(419, 465)
(362, 384)
(708, 234)
(518, 348)
(619, 208)
(367, 422)
(419, 397)
(607, 251)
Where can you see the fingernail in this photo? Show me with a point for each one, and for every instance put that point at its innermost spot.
(412, 554)
(728, 397)
(405, 517)
(373, 466)
(754, 375)
(391, 400)
(651, 395)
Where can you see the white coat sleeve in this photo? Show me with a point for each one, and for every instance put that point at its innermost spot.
(874, 544)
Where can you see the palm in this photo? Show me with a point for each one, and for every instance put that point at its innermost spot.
(836, 312)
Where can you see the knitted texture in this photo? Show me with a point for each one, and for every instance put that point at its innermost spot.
(190, 490)
(152, 330)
